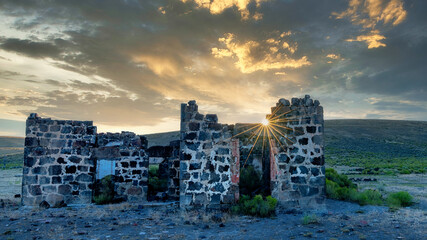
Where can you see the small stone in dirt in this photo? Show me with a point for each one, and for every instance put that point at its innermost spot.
(171, 224)
(141, 233)
(308, 234)
(345, 217)
(320, 231)
(44, 205)
(187, 222)
(202, 237)
(205, 226)
(217, 218)
(221, 225)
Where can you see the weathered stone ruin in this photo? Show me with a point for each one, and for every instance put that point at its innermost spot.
(297, 162)
(209, 160)
(64, 159)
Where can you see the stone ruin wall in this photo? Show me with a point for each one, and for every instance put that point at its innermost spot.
(58, 167)
(127, 150)
(209, 160)
(61, 156)
(297, 167)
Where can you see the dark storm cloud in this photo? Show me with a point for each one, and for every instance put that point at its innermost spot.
(30, 48)
(154, 55)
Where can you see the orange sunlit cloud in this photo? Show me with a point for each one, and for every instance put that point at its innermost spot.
(254, 56)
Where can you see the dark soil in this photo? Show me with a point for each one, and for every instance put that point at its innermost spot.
(339, 220)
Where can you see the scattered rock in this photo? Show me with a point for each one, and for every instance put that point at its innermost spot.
(44, 205)
(217, 217)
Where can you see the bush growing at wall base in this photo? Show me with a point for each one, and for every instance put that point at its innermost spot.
(256, 206)
(155, 183)
(104, 190)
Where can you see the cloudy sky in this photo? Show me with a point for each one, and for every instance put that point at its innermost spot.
(127, 65)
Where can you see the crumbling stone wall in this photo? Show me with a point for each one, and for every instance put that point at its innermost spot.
(208, 162)
(131, 163)
(58, 167)
(61, 156)
(297, 163)
(173, 165)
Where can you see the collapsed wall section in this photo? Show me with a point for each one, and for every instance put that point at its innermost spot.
(297, 160)
(125, 152)
(58, 167)
(209, 160)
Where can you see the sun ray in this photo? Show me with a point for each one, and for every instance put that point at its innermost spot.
(272, 127)
(287, 128)
(259, 124)
(251, 149)
(280, 142)
(276, 117)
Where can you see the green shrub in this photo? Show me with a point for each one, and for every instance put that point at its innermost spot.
(309, 219)
(104, 190)
(250, 181)
(369, 197)
(256, 206)
(341, 180)
(399, 199)
(341, 188)
(155, 183)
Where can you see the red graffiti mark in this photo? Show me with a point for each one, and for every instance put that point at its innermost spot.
(273, 165)
(235, 165)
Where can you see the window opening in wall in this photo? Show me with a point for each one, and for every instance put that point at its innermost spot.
(105, 168)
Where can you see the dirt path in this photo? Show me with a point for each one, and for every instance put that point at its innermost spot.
(340, 220)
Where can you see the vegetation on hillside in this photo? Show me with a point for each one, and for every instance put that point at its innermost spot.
(339, 187)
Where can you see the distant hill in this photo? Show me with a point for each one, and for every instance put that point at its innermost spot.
(395, 144)
(161, 139)
(11, 142)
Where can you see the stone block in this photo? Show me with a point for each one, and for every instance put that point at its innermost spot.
(84, 178)
(56, 180)
(298, 179)
(318, 161)
(55, 170)
(29, 161)
(70, 169)
(194, 126)
(64, 189)
(75, 159)
(34, 190)
(195, 166)
(57, 143)
(27, 180)
(299, 159)
(317, 139)
(303, 141)
(39, 170)
(46, 160)
(31, 142)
